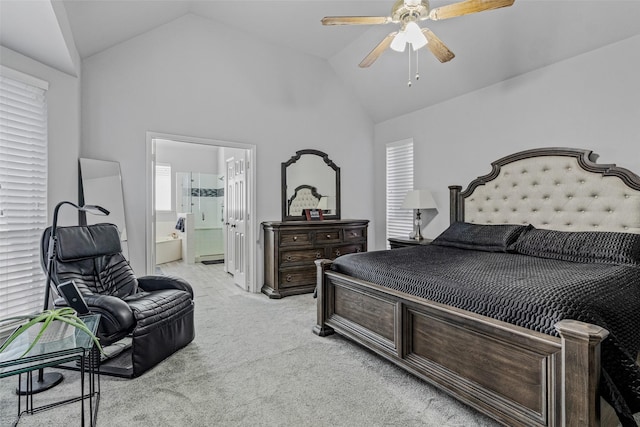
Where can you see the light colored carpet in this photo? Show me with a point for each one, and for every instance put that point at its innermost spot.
(255, 362)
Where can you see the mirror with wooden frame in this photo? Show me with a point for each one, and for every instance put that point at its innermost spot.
(310, 180)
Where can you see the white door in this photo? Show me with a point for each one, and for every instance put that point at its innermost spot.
(229, 252)
(237, 219)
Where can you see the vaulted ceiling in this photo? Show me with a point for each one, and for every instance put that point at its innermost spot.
(490, 46)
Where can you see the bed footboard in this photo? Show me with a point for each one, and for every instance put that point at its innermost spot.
(512, 374)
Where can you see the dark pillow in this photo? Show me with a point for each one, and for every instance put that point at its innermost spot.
(581, 246)
(489, 238)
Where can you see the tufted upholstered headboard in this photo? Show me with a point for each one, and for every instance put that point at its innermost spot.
(304, 197)
(552, 188)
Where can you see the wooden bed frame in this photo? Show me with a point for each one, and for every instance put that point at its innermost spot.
(514, 375)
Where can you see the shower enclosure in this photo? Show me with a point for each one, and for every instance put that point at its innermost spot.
(202, 194)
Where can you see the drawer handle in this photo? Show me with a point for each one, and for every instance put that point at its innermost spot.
(328, 236)
(358, 250)
(295, 238)
(318, 255)
(354, 234)
(288, 278)
(337, 253)
(289, 258)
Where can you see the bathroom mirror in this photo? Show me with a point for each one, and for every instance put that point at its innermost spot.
(101, 184)
(310, 180)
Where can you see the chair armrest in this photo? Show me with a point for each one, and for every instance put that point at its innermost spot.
(116, 315)
(155, 283)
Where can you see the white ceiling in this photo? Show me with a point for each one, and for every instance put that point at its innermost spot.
(490, 46)
(47, 44)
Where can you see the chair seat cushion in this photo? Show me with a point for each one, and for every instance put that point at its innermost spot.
(154, 309)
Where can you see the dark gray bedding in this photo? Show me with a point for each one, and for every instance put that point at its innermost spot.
(528, 291)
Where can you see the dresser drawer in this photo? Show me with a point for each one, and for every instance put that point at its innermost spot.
(291, 277)
(300, 256)
(329, 236)
(293, 238)
(346, 249)
(355, 233)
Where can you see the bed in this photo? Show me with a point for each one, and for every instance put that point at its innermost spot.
(527, 308)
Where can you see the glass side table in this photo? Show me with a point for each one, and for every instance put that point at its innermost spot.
(77, 348)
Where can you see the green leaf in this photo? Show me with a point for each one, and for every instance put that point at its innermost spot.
(64, 314)
(17, 333)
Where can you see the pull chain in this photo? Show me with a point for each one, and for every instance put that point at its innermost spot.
(409, 82)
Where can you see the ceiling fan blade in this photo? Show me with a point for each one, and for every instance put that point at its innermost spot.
(466, 7)
(436, 46)
(377, 51)
(355, 20)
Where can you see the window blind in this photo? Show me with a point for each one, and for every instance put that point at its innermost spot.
(399, 182)
(23, 195)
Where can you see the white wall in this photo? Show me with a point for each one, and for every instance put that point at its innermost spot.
(186, 78)
(590, 101)
(63, 104)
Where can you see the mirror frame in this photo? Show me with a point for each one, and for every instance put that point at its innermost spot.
(291, 161)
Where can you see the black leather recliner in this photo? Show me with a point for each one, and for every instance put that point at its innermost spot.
(155, 311)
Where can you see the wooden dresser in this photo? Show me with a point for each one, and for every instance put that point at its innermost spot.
(291, 247)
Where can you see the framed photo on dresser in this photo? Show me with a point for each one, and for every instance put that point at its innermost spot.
(313, 214)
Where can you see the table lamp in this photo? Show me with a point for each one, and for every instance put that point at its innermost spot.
(419, 199)
(326, 204)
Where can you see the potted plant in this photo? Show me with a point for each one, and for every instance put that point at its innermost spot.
(65, 315)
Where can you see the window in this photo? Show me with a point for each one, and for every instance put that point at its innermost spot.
(163, 187)
(399, 182)
(23, 192)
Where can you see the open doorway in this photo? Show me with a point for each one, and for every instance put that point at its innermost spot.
(200, 204)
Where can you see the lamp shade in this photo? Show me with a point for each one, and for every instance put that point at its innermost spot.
(419, 199)
(410, 33)
(399, 41)
(415, 36)
(326, 203)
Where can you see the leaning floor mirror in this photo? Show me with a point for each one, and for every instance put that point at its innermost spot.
(101, 184)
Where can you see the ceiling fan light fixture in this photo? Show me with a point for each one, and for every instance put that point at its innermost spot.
(415, 36)
(408, 13)
(399, 41)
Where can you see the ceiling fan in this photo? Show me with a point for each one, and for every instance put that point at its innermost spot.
(408, 13)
